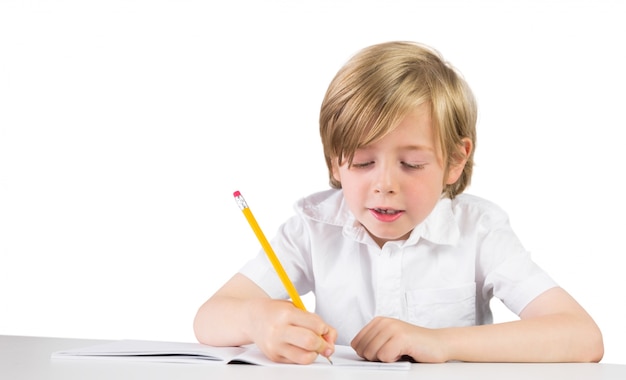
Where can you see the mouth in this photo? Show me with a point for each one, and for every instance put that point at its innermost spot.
(386, 211)
(386, 214)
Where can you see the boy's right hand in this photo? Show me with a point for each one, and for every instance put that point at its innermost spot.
(287, 334)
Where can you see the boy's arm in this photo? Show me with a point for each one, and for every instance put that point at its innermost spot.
(221, 320)
(241, 313)
(553, 328)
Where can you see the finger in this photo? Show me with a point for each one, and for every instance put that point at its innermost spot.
(308, 340)
(330, 337)
(287, 346)
(363, 337)
(323, 336)
(297, 355)
(289, 354)
(312, 322)
(371, 340)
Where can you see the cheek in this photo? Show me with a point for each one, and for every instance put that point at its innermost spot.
(352, 196)
(348, 182)
(353, 187)
(336, 171)
(427, 189)
(423, 200)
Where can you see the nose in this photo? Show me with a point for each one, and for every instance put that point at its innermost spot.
(385, 180)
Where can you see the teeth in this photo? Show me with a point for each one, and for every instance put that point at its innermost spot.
(383, 211)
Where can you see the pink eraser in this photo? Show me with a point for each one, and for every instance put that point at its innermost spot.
(236, 194)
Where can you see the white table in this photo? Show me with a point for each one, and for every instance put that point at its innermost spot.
(28, 358)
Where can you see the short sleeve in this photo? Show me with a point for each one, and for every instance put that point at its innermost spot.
(291, 247)
(509, 272)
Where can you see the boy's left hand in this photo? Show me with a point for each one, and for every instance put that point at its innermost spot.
(388, 340)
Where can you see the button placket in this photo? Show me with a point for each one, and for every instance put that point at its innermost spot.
(389, 295)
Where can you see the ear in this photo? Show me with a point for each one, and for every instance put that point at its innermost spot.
(455, 168)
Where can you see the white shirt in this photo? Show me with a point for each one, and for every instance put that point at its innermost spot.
(443, 275)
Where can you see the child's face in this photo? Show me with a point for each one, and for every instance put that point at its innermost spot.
(394, 183)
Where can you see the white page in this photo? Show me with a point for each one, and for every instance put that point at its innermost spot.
(344, 356)
(153, 350)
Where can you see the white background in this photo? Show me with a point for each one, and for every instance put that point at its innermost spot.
(125, 127)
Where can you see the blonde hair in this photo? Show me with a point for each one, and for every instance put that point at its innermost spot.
(375, 89)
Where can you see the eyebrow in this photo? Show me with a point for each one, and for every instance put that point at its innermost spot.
(418, 147)
(403, 148)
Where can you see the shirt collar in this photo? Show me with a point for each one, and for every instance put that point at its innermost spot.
(439, 227)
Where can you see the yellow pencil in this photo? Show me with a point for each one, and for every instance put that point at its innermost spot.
(291, 289)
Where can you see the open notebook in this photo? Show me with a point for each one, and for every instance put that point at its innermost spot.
(145, 350)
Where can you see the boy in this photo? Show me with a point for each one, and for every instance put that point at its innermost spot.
(401, 262)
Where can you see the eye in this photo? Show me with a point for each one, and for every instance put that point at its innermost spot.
(359, 165)
(413, 165)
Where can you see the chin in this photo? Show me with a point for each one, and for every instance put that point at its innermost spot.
(389, 237)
